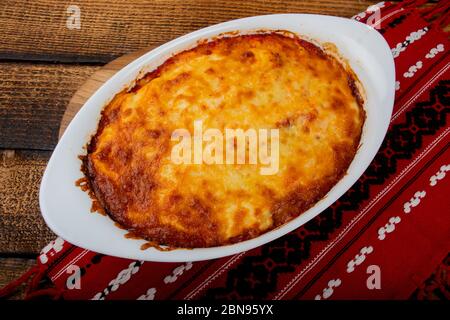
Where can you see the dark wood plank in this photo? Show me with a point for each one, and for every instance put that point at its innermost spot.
(37, 30)
(22, 228)
(93, 83)
(11, 269)
(33, 98)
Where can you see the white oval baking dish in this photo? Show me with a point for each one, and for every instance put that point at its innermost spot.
(66, 209)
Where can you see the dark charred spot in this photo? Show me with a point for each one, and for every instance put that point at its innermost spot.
(104, 153)
(123, 155)
(112, 115)
(350, 128)
(246, 94)
(289, 121)
(269, 193)
(144, 80)
(175, 198)
(154, 134)
(312, 48)
(354, 90)
(343, 154)
(127, 112)
(338, 91)
(178, 79)
(309, 117)
(337, 104)
(276, 60)
(248, 57)
(284, 123)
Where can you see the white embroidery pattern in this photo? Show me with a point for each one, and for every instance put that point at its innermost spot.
(419, 92)
(121, 278)
(434, 179)
(433, 52)
(397, 85)
(327, 292)
(370, 9)
(359, 16)
(388, 227)
(149, 295)
(51, 249)
(359, 258)
(413, 36)
(178, 271)
(413, 69)
(414, 201)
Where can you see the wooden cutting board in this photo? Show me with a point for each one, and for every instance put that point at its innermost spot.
(88, 88)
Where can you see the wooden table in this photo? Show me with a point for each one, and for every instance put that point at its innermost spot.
(43, 62)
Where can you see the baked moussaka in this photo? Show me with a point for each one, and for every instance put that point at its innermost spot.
(271, 81)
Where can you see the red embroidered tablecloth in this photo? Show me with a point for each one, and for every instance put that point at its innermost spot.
(381, 240)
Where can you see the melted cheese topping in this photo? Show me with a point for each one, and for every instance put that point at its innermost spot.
(251, 82)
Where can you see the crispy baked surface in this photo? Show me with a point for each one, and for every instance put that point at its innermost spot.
(254, 81)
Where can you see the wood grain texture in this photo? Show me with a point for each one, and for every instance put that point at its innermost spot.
(37, 30)
(11, 269)
(93, 83)
(22, 228)
(33, 98)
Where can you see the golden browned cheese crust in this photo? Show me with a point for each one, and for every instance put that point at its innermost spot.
(254, 81)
